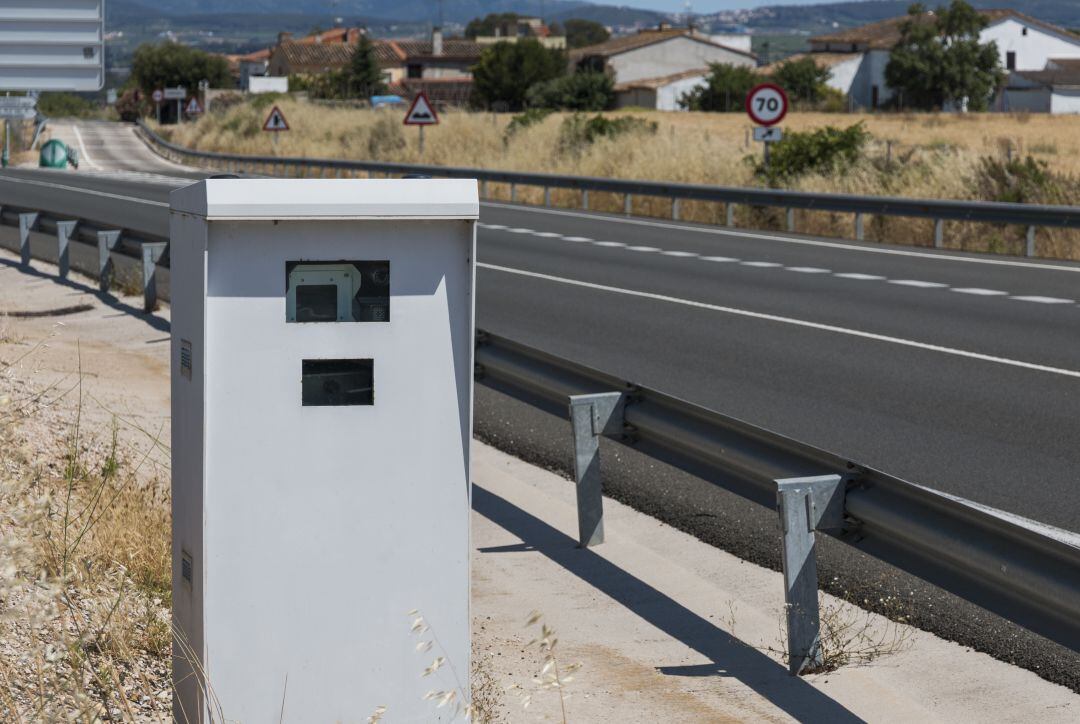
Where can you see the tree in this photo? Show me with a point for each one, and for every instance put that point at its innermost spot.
(172, 64)
(803, 80)
(583, 91)
(364, 77)
(487, 24)
(725, 89)
(506, 71)
(580, 33)
(939, 60)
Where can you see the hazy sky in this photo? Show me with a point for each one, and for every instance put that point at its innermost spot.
(705, 6)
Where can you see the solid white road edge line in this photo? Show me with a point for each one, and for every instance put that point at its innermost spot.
(82, 190)
(82, 147)
(789, 320)
(786, 239)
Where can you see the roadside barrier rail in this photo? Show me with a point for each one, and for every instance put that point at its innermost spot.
(1020, 569)
(1030, 216)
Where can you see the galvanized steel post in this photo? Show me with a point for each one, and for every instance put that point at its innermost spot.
(1029, 248)
(106, 242)
(592, 416)
(939, 233)
(729, 215)
(859, 235)
(790, 219)
(585, 199)
(547, 196)
(513, 193)
(64, 230)
(151, 254)
(805, 505)
(675, 209)
(628, 204)
(27, 222)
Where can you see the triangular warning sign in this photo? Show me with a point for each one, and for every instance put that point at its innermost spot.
(193, 108)
(276, 121)
(421, 112)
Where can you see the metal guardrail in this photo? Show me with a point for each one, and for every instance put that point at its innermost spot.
(1019, 569)
(1031, 216)
(1027, 572)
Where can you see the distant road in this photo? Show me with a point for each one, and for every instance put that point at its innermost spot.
(105, 146)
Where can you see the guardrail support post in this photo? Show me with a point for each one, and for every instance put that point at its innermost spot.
(939, 233)
(859, 235)
(791, 219)
(513, 193)
(64, 231)
(483, 189)
(729, 215)
(106, 242)
(27, 222)
(1029, 248)
(628, 205)
(675, 209)
(585, 199)
(805, 505)
(547, 196)
(592, 416)
(151, 254)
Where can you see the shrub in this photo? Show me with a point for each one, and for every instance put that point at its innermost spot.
(524, 120)
(725, 90)
(387, 137)
(507, 70)
(1020, 181)
(585, 91)
(60, 105)
(821, 151)
(803, 79)
(577, 131)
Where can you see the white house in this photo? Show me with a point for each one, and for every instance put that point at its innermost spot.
(1055, 89)
(1025, 44)
(659, 64)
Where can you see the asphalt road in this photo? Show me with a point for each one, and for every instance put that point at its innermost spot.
(957, 371)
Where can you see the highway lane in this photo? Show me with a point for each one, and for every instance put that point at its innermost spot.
(106, 146)
(928, 379)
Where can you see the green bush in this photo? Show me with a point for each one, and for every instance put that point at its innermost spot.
(66, 105)
(524, 120)
(578, 131)
(1024, 181)
(584, 91)
(263, 101)
(824, 150)
(725, 90)
(506, 71)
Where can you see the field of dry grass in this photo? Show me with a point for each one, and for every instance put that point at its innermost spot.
(913, 155)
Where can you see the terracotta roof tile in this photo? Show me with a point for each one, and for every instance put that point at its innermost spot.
(654, 83)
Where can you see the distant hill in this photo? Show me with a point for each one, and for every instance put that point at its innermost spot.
(820, 18)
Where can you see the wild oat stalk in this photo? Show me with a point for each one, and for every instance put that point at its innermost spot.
(550, 676)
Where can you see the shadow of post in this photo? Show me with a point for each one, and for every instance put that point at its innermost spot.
(729, 656)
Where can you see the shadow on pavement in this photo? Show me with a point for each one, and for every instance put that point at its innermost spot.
(730, 656)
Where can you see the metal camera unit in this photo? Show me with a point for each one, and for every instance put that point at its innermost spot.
(322, 414)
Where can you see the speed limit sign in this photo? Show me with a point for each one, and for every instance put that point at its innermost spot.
(767, 104)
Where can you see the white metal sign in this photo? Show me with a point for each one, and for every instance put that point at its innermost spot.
(276, 121)
(157, 95)
(178, 93)
(52, 45)
(421, 113)
(768, 134)
(193, 108)
(18, 106)
(766, 104)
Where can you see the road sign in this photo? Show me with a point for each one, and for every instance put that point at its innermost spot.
(52, 45)
(193, 108)
(178, 93)
(768, 134)
(276, 121)
(766, 104)
(421, 112)
(158, 95)
(18, 106)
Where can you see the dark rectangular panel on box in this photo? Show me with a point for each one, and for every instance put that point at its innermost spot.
(337, 382)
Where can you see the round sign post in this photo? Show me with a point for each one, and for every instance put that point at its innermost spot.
(767, 104)
(158, 95)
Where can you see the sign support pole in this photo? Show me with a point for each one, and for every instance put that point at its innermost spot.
(421, 140)
(766, 156)
(158, 105)
(6, 157)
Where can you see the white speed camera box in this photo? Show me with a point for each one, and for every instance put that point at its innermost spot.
(322, 337)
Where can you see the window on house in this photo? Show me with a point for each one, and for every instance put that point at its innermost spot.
(1010, 60)
(1023, 31)
(416, 71)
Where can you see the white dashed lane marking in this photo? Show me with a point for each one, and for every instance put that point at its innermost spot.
(980, 292)
(1043, 300)
(917, 283)
(856, 276)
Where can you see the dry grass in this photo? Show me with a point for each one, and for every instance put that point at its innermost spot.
(84, 568)
(914, 155)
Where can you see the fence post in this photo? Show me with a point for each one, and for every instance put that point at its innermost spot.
(791, 219)
(592, 416)
(585, 199)
(64, 231)
(151, 254)
(859, 226)
(628, 204)
(106, 242)
(729, 213)
(27, 222)
(547, 196)
(939, 233)
(675, 209)
(805, 505)
(1029, 249)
